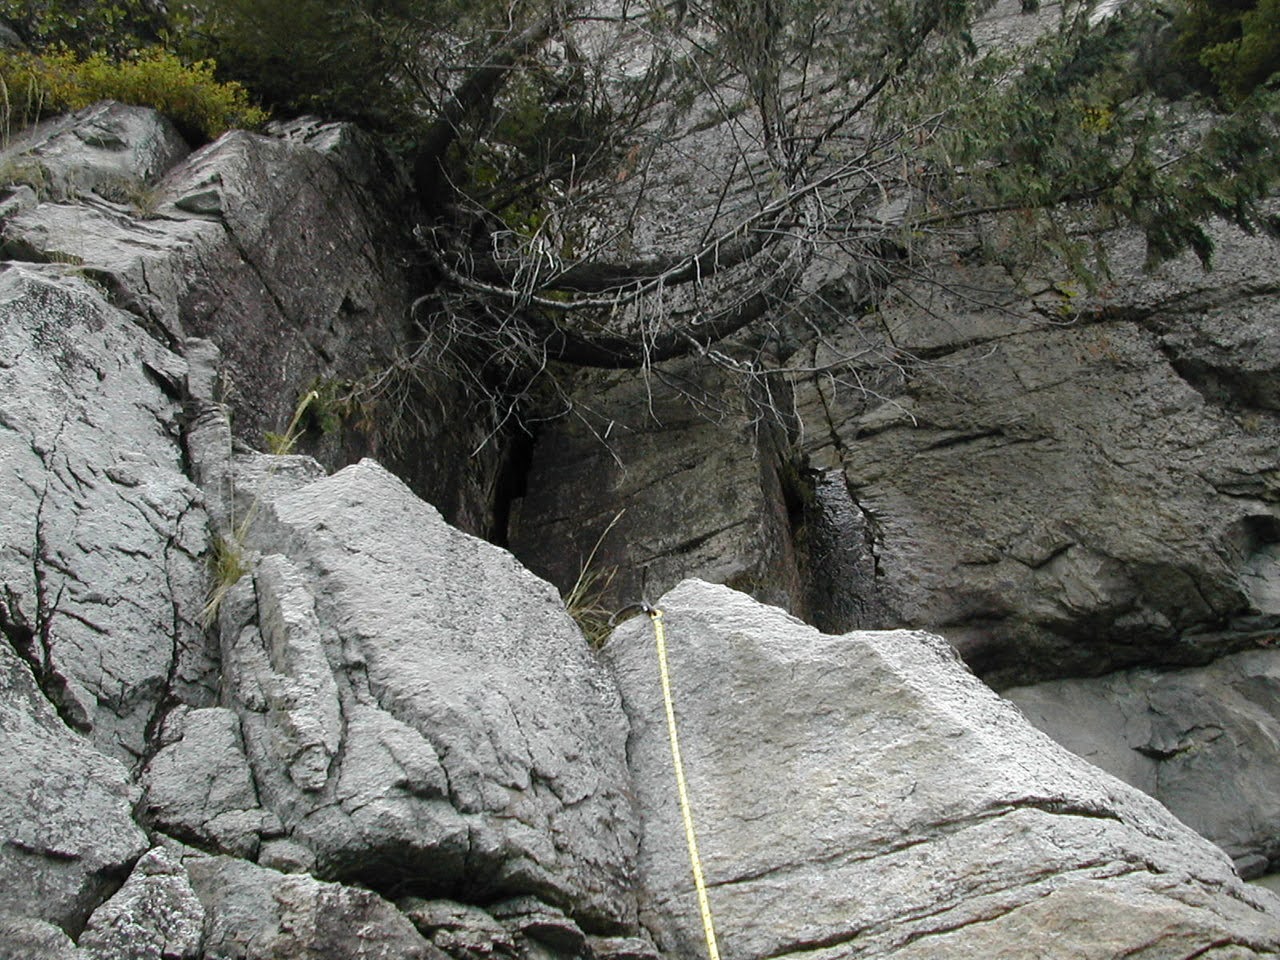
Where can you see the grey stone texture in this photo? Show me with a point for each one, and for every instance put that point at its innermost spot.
(1203, 741)
(154, 916)
(28, 939)
(252, 913)
(110, 150)
(382, 708)
(288, 252)
(67, 835)
(419, 711)
(865, 796)
(199, 787)
(1060, 484)
(101, 551)
(694, 489)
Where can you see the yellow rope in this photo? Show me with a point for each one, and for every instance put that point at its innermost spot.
(660, 639)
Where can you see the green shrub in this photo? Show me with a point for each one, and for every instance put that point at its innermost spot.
(113, 27)
(201, 106)
(340, 58)
(1230, 47)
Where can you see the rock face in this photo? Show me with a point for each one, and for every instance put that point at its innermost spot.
(400, 730)
(357, 715)
(287, 251)
(864, 795)
(66, 831)
(259, 914)
(674, 489)
(1064, 498)
(249, 709)
(101, 554)
(1205, 742)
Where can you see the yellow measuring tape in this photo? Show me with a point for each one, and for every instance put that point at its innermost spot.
(660, 639)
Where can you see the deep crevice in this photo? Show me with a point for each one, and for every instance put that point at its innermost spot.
(511, 483)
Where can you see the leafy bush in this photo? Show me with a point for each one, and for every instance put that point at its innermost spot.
(1230, 47)
(201, 106)
(113, 27)
(340, 58)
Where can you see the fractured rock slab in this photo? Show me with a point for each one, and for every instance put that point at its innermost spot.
(67, 837)
(419, 711)
(101, 551)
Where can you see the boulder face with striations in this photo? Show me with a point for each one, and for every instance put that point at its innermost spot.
(417, 712)
(865, 796)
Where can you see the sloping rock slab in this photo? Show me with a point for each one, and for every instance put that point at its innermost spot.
(1204, 741)
(200, 251)
(324, 298)
(109, 148)
(418, 709)
(864, 796)
(101, 547)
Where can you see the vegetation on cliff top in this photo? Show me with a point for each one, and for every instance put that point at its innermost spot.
(548, 136)
(78, 52)
(618, 183)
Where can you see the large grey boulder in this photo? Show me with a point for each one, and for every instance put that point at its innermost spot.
(865, 796)
(67, 837)
(252, 913)
(1203, 741)
(101, 552)
(416, 709)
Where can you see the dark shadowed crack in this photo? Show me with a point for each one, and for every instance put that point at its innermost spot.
(167, 698)
(692, 543)
(930, 833)
(32, 639)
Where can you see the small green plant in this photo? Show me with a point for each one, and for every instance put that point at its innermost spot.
(228, 560)
(133, 192)
(201, 106)
(227, 564)
(282, 444)
(18, 172)
(585, 599)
